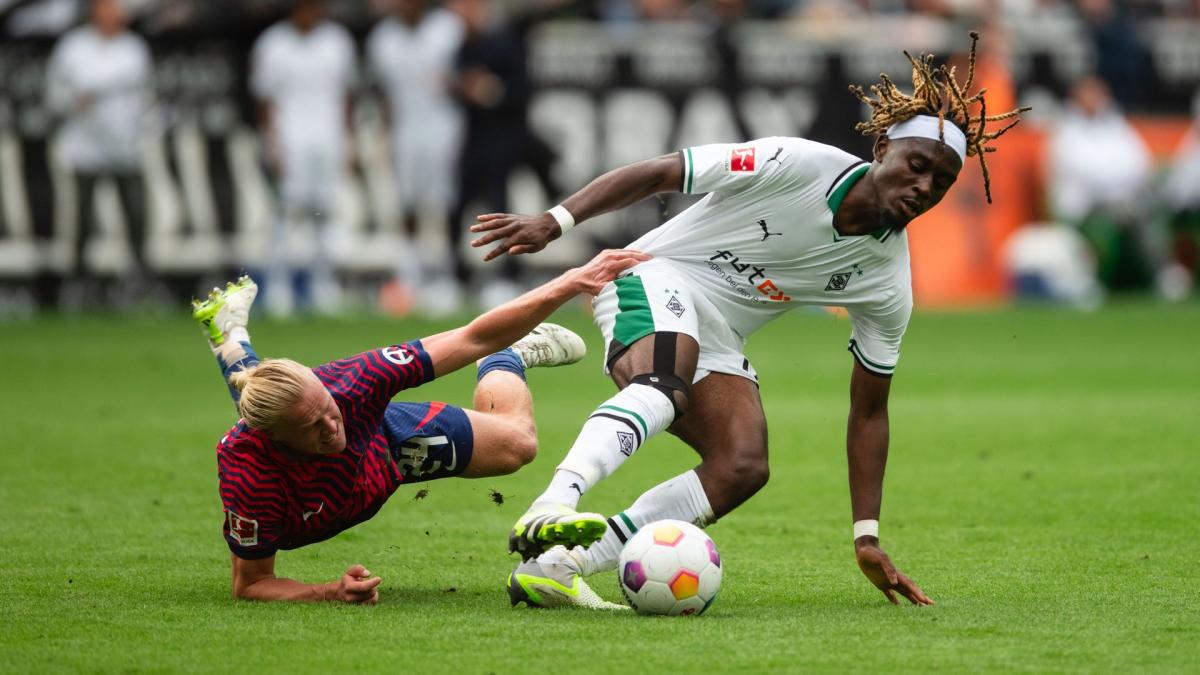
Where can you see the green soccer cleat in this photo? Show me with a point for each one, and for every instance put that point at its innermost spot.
(225, 309)
(547, 525)
(550, 345)
(553, 580)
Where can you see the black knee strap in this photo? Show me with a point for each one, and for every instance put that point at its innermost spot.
(667, 384)
(664, 378)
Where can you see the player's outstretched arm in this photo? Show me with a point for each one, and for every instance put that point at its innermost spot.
(504, 325)
(256, 580)
(866, 452)
(614, 190)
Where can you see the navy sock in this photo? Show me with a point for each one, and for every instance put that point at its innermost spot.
(502, 360)
(248, 359)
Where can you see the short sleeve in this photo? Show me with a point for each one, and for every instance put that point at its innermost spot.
(735, 167)
(373, 378)
(253, 500)
(876, 335)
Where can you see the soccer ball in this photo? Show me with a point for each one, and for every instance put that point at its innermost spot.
(670, 567)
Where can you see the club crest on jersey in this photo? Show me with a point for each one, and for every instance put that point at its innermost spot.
(397, 355)
(741, 160)
(840, 280)
(243, 530)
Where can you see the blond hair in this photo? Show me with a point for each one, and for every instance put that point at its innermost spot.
(936, 91)
(268, 390)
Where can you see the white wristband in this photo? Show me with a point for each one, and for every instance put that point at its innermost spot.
(565, 220)
(863, 528)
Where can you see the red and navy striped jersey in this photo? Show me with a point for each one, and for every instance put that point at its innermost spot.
(275, 501)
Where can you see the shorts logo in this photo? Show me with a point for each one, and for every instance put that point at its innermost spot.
(244, 530)
(626, 440)
(741, 160)
(676, 307)
(397, 355)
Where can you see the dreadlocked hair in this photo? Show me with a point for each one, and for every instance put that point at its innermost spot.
(936, 92)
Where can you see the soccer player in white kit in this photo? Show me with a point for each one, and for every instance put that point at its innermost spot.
(99, 82)
(300, 72)
(785, 222)
(412, 54)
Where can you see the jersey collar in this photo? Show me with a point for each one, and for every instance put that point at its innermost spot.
(841, 187)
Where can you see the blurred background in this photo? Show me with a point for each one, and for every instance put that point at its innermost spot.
(338, 150)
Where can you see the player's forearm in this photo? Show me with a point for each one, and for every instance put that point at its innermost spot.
(866, 452)
(277, 589)
(625, 186)
(504, 325)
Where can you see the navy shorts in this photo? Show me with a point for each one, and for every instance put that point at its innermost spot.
(428, 440)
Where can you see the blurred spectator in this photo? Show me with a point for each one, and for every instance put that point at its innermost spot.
(1182, 196)
(99, 83)
(1099, 181)
(412, 55)
(494, 85)
(1121, 59)
(300, 73)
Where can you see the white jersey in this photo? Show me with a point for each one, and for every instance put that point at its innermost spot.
(112, 75)
(414, 65)
(762, 241)
(306, 77)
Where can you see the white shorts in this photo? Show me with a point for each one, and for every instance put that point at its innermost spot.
(655, 298)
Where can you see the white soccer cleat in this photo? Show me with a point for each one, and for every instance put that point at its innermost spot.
(553, 580)
(225, 309)
(550, 345)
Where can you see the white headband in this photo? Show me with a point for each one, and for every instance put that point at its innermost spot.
(926, 126)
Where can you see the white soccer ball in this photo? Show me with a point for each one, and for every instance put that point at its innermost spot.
(670, 567)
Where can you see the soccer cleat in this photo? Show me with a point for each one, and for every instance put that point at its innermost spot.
(225, 309)
(553, 580)
(550, 345)
(547, 525)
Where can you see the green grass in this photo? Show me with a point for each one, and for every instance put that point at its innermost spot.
(1043, 488)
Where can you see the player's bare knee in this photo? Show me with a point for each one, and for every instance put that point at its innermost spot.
(521, 449)
(748, 470)
(526, 449)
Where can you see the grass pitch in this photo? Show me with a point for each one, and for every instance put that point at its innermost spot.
(1043, 489)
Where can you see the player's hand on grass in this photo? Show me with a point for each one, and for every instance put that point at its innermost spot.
(598, 271)
(879, 569)
(357, 586)
(516, 234)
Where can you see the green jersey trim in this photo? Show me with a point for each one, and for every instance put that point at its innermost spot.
(877, 368)
(634, 319)
(837, 193)
(689, 171)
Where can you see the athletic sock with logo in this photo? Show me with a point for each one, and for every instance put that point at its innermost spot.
(680, 498)
(610, 436)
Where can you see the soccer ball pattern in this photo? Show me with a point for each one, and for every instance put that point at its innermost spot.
(670, 567)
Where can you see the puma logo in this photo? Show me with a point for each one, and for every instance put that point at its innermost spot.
(775, 157)
(577, 488)
(766, 232)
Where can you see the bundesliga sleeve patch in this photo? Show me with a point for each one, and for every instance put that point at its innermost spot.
(741, 160)
(244, 530)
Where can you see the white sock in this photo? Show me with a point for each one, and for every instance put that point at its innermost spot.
(609, 437)
(680, 498)
(566, 487)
